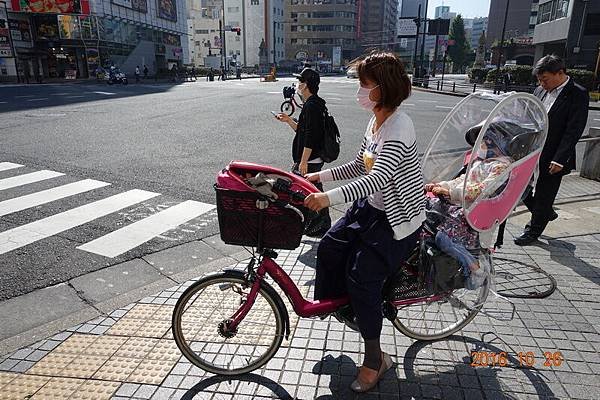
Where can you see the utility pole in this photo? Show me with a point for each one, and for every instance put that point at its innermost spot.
(418, 23)
(424, 33)
(274, 42)
(435, 51)
(223, 42)
(501, 49)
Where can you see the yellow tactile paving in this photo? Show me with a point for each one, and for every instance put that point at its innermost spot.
(6, 378)
(23, 387)
(95, 390)
(117, 369)
(52, 364)
(136, 347)
(151, 371)
(144, 320)
(84, 366)
(75, 344)
(165, 350)
(105, 345)
(58, 388)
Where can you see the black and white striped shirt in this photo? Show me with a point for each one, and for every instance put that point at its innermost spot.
(390, 174)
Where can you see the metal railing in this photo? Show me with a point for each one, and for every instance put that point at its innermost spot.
(466, 87)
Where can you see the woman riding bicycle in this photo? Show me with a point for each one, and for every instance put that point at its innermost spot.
(381, 228)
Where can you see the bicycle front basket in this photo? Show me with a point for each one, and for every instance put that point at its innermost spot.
(243, 223)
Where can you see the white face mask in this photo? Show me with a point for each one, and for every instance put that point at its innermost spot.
(363, 98)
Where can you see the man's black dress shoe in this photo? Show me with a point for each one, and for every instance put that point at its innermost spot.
(525, 239)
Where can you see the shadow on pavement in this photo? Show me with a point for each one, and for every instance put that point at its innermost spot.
(430, 372)
(494, 381)
(563, 252)
(23, 98)
(254, 382)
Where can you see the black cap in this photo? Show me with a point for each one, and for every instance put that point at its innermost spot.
(308, 75)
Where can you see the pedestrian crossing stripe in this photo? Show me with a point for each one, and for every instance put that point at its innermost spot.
(137, 233)
(5, 166)
(34, 231)
(46, 196)
(109, 245)
(25, 179)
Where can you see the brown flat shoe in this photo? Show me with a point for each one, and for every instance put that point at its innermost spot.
(362, 383)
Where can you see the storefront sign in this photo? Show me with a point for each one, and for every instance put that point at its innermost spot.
(70, 74)
(46, 27)
(336, 57)
(5, 49)
(51, 6)
(167, 9)
(19, 30)
(68, 27)
(136, 5)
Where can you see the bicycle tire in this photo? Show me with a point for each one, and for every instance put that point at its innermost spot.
(202, 358)
(287, 107)
(471, 312)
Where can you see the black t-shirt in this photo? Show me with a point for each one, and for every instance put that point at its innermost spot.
(310, 130)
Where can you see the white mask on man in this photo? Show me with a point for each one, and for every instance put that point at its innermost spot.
(363, 99)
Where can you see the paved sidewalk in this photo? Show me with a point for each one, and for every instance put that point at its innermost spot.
(130, 354)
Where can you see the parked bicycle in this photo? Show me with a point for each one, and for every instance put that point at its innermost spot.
(289, 104)
(233, 322)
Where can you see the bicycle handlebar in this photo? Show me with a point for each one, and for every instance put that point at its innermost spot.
(283, 185)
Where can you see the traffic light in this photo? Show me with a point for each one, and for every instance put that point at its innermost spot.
(237, 30)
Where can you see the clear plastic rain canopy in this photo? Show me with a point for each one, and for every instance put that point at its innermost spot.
(499, 138)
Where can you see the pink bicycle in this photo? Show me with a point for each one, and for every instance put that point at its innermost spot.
(232, 322)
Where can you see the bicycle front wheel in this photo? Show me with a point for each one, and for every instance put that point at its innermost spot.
(442, 317)
(203, 311)
(287, 107)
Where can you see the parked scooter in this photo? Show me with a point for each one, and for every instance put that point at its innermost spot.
(116, 76)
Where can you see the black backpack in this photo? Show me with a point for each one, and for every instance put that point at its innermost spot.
(331, 138)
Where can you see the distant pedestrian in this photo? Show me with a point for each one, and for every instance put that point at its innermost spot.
(137, 74)
(223, 74)
(507, 81)
(210, 76)
(145, 72)
(238, 73)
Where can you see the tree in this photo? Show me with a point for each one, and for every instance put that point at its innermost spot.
(458, 51)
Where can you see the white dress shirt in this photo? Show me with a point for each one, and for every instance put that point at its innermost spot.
(548, 99)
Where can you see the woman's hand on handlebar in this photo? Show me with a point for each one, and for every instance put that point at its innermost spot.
(313, 177)
(440, 191)
(316, 201)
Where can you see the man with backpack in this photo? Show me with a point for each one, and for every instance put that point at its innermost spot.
(313, 129)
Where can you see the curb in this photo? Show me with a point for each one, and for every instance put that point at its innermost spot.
(85, 309)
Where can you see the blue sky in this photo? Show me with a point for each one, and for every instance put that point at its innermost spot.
(466, 8)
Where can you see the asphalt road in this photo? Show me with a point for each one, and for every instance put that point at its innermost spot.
(170, 140)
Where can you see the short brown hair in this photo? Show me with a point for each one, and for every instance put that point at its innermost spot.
(387, 71)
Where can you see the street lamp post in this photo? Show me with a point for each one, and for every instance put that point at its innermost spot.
(501, 49)
(12, 44)
(274, 42)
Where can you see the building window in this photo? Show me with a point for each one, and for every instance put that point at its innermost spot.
(202, 31)
(545, 12)
(562, 9)
(254, 2)
(233, 9)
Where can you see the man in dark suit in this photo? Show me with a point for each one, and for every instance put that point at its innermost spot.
(567, 105)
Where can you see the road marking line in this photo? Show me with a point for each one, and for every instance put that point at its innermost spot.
(106, 93)
(446, 107)
(137, 233)
(428, 101)
(5, 166)
(407, 104)
(40, 99)
(46, 227)
(273, 92)
(46, 196)
(25, 179)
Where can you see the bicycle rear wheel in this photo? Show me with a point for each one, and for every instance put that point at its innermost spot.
(442, 317)
(200, 316)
